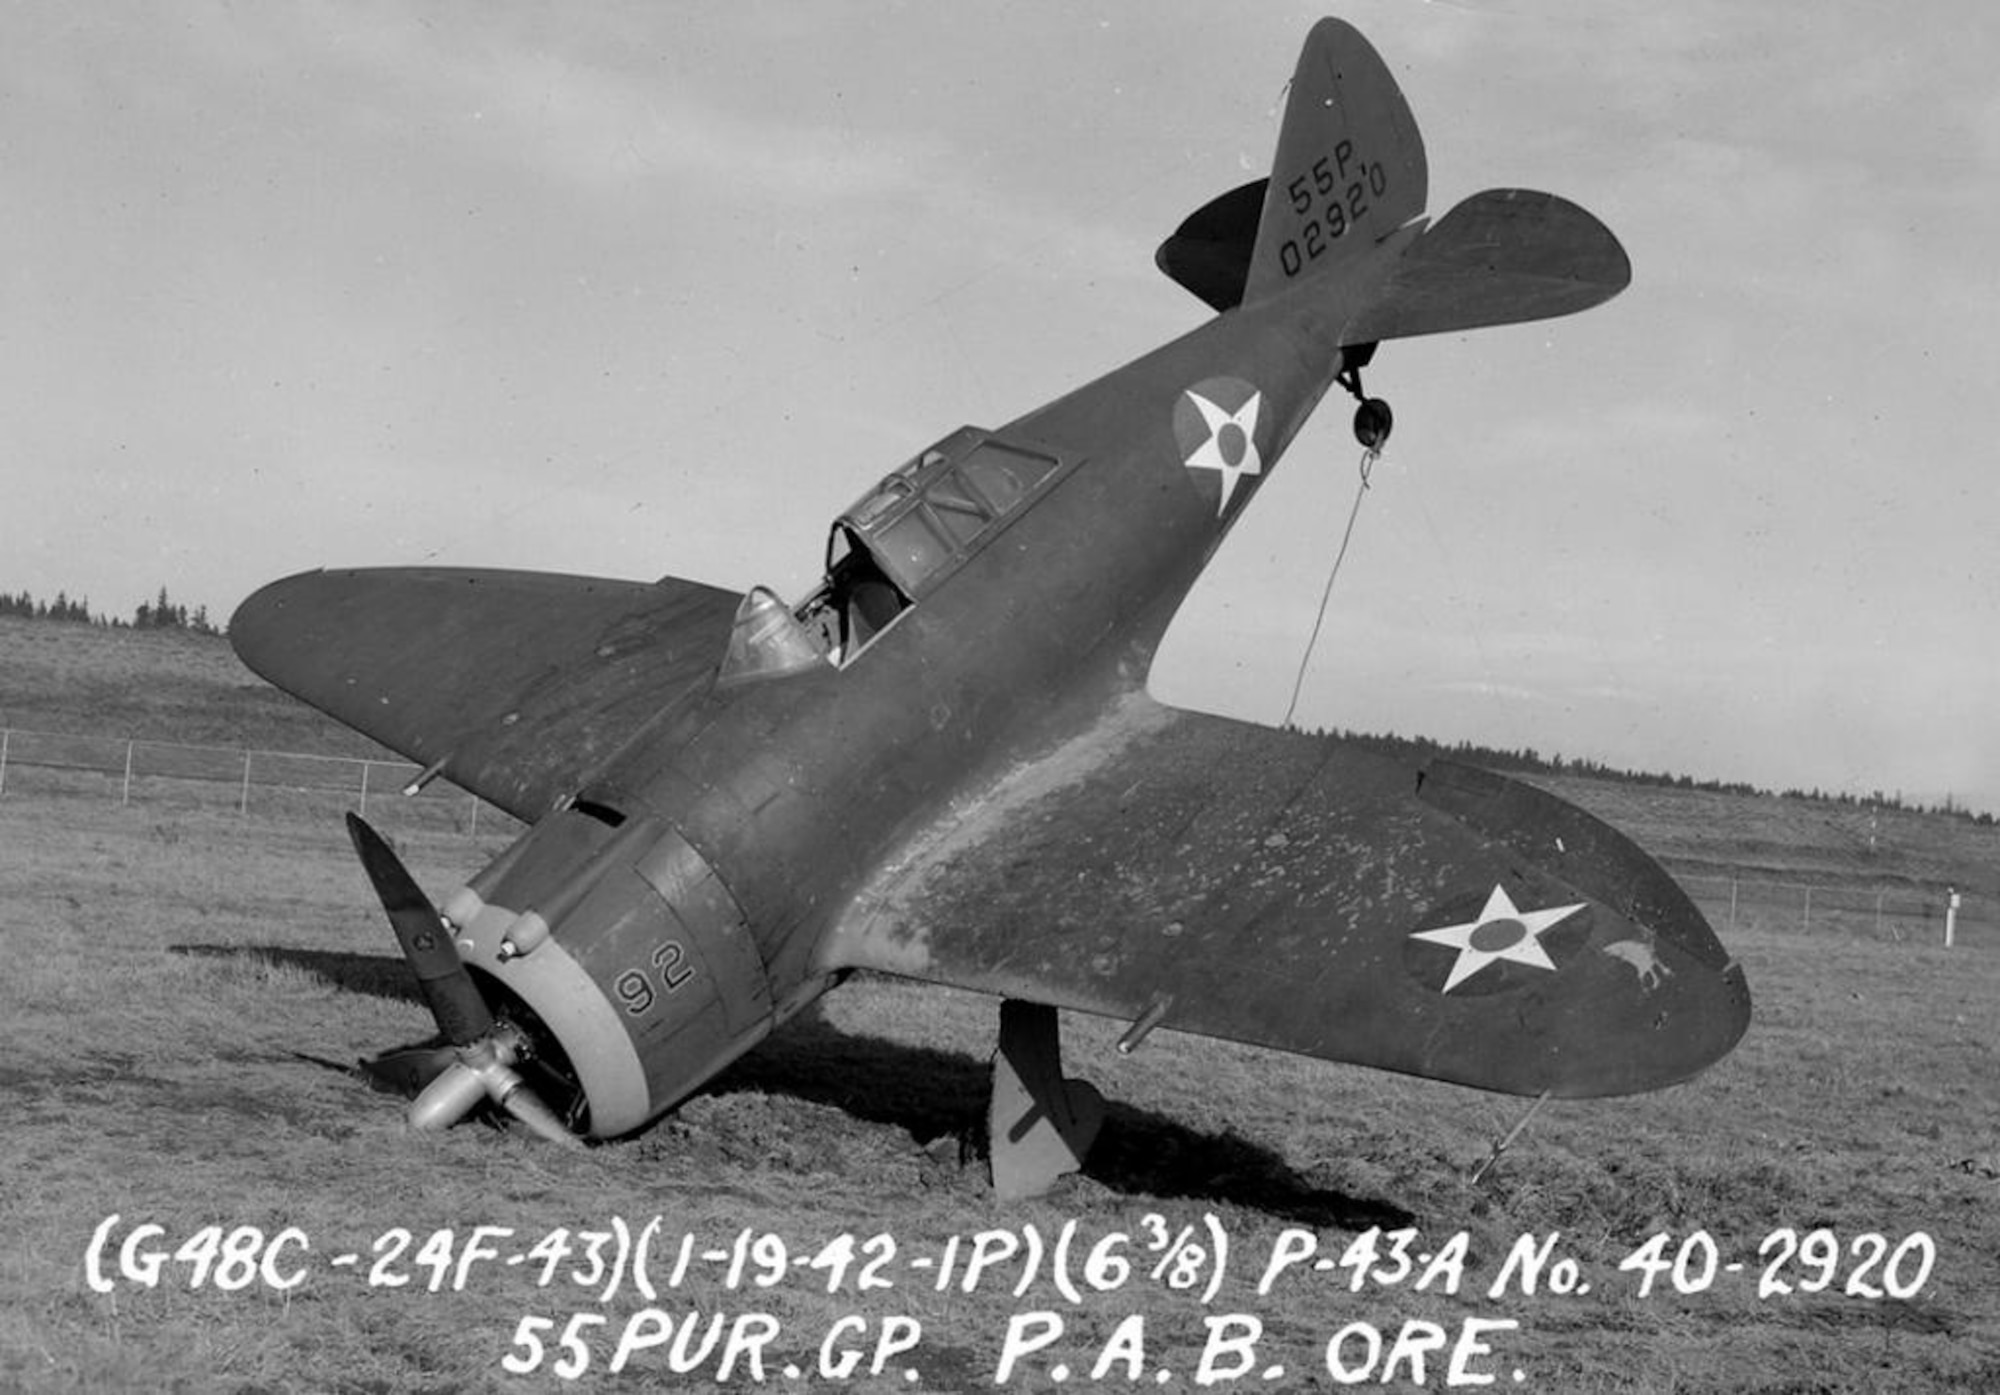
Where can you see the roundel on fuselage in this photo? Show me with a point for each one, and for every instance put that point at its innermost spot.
(1216, 426)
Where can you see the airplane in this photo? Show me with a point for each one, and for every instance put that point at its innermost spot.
(943, 763)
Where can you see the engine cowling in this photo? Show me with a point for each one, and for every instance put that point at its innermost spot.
(630, 956)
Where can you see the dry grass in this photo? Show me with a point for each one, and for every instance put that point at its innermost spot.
(174, 988)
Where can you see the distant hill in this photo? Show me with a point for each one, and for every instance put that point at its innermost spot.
(153, 685)
(1823, 841)
(1527, 761)
(1716, 829)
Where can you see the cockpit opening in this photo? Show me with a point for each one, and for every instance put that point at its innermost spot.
(856, 602)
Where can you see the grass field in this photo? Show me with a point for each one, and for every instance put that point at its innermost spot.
(183, 985)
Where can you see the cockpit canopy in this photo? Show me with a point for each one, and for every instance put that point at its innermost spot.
(929, 516)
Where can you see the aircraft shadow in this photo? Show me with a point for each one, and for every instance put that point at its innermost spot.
(933, 1095)
(377, 975)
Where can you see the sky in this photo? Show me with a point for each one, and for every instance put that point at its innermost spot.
(638, 290)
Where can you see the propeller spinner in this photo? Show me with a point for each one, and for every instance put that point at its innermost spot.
(477, 1061)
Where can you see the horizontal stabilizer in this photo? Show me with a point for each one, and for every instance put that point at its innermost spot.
(1209, 252)
(1499, 257)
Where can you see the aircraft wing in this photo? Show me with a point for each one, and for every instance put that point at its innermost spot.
(1306, 894)
(521, 683)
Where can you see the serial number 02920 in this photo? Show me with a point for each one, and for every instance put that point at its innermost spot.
(1808, 1263)
(1333, 196)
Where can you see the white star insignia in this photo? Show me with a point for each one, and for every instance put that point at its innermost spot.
(1231, 447)
(1501, 932)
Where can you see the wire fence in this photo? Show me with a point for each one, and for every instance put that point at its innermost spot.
(280, 783)
(1903, 912)
(260, 783)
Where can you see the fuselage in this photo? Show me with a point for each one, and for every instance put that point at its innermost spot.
(696, 873)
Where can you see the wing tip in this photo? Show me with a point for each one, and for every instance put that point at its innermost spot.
(263, 617)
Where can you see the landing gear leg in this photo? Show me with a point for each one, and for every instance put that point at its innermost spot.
(1040, 1125)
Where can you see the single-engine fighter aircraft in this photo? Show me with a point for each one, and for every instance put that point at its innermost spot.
(943, 763)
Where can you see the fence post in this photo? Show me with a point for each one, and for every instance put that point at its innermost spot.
(1732, 905)
(4, 735)
(125, 795)
(243, 800)
(365, 767)
(1808, 909)
(472, 824)
(1878, 913)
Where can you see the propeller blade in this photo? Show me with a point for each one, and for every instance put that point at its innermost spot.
(454, 1000)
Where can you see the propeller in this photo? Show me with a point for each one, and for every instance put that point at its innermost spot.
(477, 1059)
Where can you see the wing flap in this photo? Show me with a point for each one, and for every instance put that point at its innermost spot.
(1306, 894)
(521, 683)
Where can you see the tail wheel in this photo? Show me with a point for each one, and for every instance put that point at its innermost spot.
(1373, 422)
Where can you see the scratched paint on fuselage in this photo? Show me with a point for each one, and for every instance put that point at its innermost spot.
(885, 922)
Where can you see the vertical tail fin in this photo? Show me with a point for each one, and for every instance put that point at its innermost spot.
(1349, 172)
(1350, 165)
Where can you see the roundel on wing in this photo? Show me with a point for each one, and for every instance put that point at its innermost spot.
(1217, 425)
(1471, 948)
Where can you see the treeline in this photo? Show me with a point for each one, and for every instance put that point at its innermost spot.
(160, 613)
(1529, 761)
